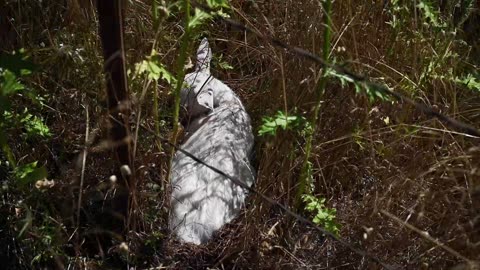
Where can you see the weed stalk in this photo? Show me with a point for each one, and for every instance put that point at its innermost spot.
(180, 69)
(305, 175)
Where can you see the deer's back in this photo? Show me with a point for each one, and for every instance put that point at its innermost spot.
(202, 200)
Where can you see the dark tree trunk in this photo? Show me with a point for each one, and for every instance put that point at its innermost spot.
(110, 14)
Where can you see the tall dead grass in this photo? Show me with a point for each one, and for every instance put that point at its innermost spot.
(369, 158)
(372, 161)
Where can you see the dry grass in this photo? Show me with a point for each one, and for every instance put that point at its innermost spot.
(388, 180)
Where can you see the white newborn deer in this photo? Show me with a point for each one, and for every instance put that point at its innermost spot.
(217, 131)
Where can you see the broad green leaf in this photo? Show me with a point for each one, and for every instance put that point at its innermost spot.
(154, 69)
(280, 120)
(198, 19)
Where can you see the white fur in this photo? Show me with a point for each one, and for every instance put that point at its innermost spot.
(218, 131)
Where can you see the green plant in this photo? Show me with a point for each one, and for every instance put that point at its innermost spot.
(322, 215)
(222, 63)
(153, 68)
(14, 67)
(192, 24)
(369, 90)
(319, 90)
(469, 81)
(430, 14)
(29, 173)
(358, 138)
(435, 37)
(286, 122)
(154, 71)
(48, 245)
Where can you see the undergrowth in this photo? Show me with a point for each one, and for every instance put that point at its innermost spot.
(372, 170)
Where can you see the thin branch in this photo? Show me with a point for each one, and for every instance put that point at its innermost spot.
(84, 160)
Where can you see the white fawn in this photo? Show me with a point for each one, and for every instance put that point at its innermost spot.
(218, 132)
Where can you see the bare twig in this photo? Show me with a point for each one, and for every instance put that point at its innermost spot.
(84, 160)
(429, 111)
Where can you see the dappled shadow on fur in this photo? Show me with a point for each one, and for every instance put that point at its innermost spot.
(218, 132)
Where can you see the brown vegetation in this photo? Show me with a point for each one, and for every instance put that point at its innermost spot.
(405, 187)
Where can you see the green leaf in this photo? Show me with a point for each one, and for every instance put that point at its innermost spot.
(218, 4)
(35, 126)
(198, 19)
(36, 259)
(9, 83)
(29, 173)
(430, 14)
(225, 65)
(322, 215)
(154, 69)
(280, 120)
(470, 82)
(371, 90)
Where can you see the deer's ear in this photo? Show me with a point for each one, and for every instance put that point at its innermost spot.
(205, 100)
(204, 56)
